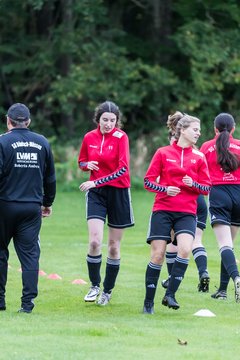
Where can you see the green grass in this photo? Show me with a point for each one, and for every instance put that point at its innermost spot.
(62, 326)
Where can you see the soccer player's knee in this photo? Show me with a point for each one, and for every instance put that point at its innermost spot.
(158, 258)
(184, 253)
(113, 251)
(95, 245)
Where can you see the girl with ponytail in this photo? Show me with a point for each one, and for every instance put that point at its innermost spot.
(223, 157)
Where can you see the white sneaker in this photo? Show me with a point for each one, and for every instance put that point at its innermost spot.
(93, 293)
(237, 288)
(104, 299)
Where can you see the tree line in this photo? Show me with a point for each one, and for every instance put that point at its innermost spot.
(152, 57)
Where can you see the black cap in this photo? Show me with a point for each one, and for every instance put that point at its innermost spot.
(18, 112)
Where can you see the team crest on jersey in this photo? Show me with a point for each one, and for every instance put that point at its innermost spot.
(117, 134)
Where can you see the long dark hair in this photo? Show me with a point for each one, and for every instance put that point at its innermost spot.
(229, 161)
(107, 106)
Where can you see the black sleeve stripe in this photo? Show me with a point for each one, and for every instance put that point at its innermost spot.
(200, 187)
(155, 187)
(114, 176)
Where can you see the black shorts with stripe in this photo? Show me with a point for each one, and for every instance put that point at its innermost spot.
(224, 204)
(163, 222)
(111, 202)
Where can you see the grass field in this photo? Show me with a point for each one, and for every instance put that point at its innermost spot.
(63, 326)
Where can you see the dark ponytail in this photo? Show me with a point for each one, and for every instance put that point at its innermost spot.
(229, 161)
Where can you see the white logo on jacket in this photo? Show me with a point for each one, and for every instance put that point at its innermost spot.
(26, 156)
(117, 134)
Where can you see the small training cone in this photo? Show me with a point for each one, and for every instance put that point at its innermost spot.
(42, 273)
(79, 282)
(205, 313)
(54, 277)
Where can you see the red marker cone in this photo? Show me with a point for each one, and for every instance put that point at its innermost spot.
(54, 277)
(79, 282)
(42, 273)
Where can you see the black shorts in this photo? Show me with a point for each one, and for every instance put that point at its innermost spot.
(224, 204)
(202, 212)
(163, 222)
(112, 202)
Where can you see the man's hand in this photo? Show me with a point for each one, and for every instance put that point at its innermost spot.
(46, 211)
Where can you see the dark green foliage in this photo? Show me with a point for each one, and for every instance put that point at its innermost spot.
(62, 58)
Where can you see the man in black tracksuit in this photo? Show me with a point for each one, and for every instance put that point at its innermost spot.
(27, 191)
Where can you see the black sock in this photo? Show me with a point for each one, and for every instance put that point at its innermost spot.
(224, 278)
(94, 265)
(178, 271)
(112, 269)
(151, 281)
(200, 257)
(170, 258)
(229, 261)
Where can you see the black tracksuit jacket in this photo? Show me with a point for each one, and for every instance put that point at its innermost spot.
(27, 171)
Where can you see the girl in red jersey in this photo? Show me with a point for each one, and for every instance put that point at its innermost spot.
(183, 176)
(198, 250)
(105, 153)
(223, 157)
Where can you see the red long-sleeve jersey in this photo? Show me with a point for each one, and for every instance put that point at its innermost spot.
(111, 150)
(171, 163)
(218, 176)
